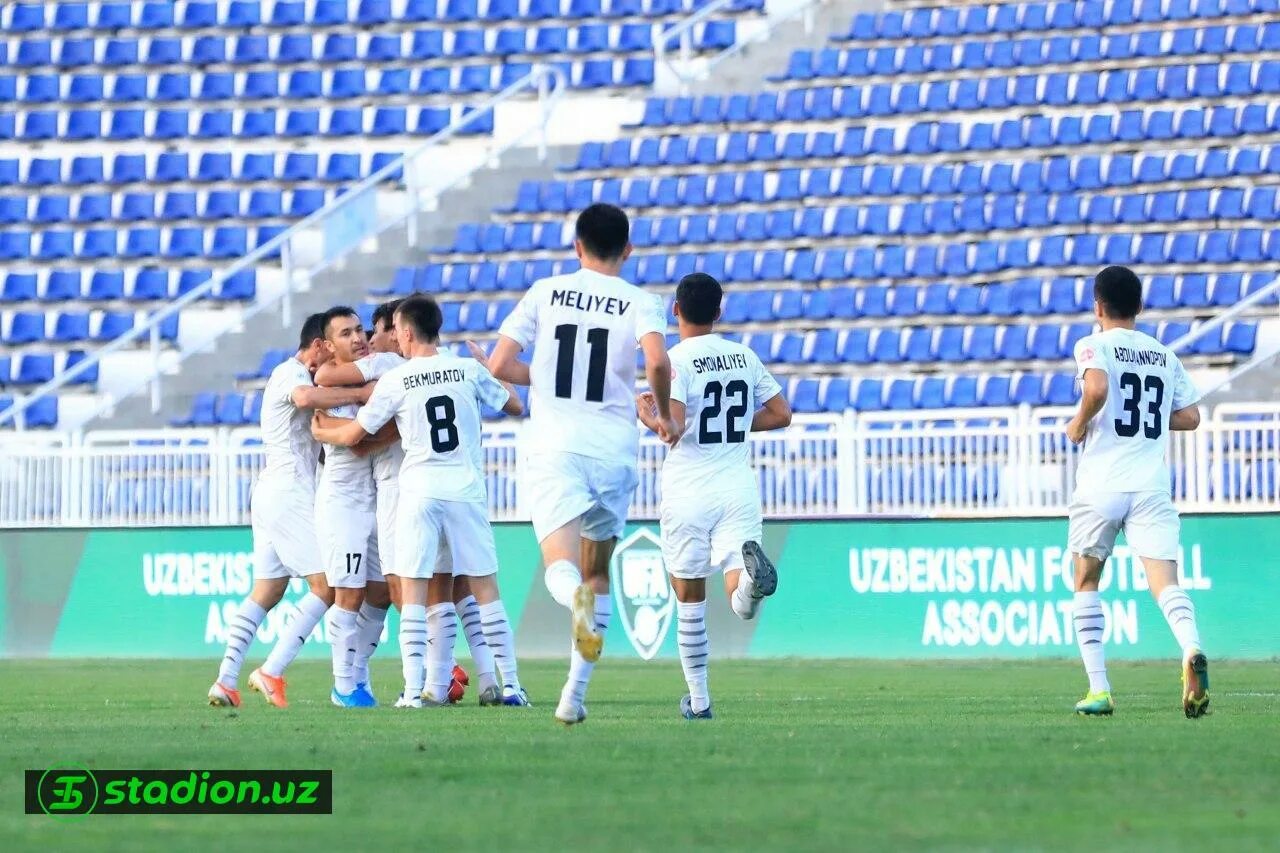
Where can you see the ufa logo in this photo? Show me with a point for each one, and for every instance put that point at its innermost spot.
(644, 596)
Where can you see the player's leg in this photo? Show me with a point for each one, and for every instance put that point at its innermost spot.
(1153, 529)
(468, 609)
(686, 551)
(266, 594)
(344, 540)
(749, 575)
(475, 558)
(268, 679)
(413, 640)
(499, 638)
(562, 483)
(442, 631)
(1093, 527)
(373, 611)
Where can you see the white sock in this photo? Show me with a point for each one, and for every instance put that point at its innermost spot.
(240, 632)
(575, 689)
(342, 637)
(413, 648)
(368, 635)
(692, 639)
(1180, 613)
(498, 636)
(442, 632)
(745, 601)
(469, 616)
(562, 578)
(310, 610)
(1089, 625)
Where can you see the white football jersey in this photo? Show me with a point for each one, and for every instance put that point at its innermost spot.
(436, 402)
(583, 329)
(1126, 447)
(291, 453)
(721, 384)
(386, 462)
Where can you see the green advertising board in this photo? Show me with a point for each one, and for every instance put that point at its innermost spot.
(848, 588)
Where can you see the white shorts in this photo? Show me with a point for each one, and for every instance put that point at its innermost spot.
(566, 486)
(705, 535)
(348, 538)
(284, 533)
(388, 494)
(446, 536)
(1149, 521)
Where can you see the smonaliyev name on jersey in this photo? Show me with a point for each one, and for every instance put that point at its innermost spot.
(1141, 356)
(728, 361)
(432, 377)
(590, 302)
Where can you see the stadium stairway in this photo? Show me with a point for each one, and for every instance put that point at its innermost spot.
(242, 350)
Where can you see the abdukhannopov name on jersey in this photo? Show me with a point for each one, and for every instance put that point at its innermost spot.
(1141, 356)
(432, 377)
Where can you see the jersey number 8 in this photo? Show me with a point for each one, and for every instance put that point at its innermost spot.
(444, 432)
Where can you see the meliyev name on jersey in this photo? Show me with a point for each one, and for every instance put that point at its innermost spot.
(583, 329)
(721, 384)
(436, 401)
(1127, 444)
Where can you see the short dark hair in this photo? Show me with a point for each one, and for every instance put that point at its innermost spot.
(386, 312)
(423, 313)
(698, 296)
(1119, 291)
(334, 313)
(312, 330)
(604, 231)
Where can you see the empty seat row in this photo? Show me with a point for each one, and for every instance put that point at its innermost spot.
(954, 343)
(166, 124)
(43, 413)
(36, 368)
(1028, 51)
(967, 94)
(872, 394)
(295, 48)
(925, 138)
(1010, 18)
(176, 167)
(146, 283)
(56, 244)
(1052, 175)
(22, 328)
(229, 409)
(138, 206)
(31, 17)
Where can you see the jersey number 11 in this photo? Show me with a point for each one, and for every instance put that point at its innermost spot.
(598, 341)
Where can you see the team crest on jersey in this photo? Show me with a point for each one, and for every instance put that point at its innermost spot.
(643, 594)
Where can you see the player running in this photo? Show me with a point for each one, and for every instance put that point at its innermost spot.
(435, 398)
(583, 329)
(1134, 391)
(284, 539)
(711, 519)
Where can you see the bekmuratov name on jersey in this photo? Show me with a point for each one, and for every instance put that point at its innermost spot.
(1129, 355)
(992, 597)
(718, 363)
(590, 302)
(433, 377)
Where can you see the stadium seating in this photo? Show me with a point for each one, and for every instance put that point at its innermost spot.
(91, 212)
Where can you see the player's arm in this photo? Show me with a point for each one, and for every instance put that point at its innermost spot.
(657, 368)
(331, 375)
(380, 440)
(1185, 420)
(513, 406)
(1093, 396)
(311, 397)
(504, 361)
(349, 433)
(775, 414)
(647, 411)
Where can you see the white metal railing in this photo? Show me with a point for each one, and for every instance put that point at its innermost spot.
(683, 66)
(974, 462)
(345, 223)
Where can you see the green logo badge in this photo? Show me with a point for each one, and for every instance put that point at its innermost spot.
(68, 789)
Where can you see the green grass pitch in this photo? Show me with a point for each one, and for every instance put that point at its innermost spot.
(803, 755)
